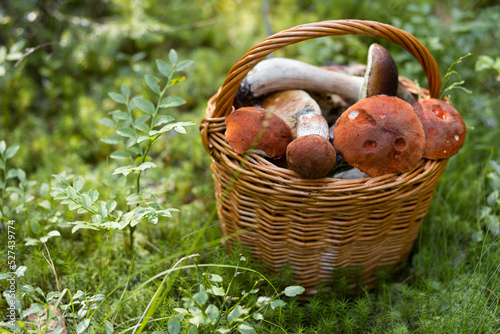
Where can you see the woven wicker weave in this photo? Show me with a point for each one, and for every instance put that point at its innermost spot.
(319, 226)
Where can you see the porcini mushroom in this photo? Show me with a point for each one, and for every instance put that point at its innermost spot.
(286, 104)
(275, 74)
(311, 155)
(443, 126)
(381, 76)
(257, 130)
(380, 135)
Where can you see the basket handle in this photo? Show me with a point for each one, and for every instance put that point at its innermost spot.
(321, 29)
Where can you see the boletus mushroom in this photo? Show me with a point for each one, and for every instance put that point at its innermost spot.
(258, 131)
(311, 155)
(286, 104)
(443, 126)
(380, 135)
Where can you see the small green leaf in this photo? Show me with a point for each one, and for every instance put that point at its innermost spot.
(201, 297)
(172, 101)
(216, 278)
(142, 119)
(125, 90)
(11, 151)
(152, 83)
(235, 313)
(258, 316)
(110, 206)
(183, 64)
(17, 46)
(119, 115)
(293, 291)
(217, 291)
(107, 122)
(134, 199)
(245, 328)
(103, 212)
(126, 132)
(3, 146)
(78, 183)
(111, 140)
(21, 174)
(45, 204)
(177, 309)
(162, 120)
(180, 129)
(144, 166)
(82, 326)
(125, 170)
(74, 206)
(120, 155)
(144, 105)
(94, 194)
(277, 303)
(142, 127)
(20, 271)
(87, 202)
(54, 234)
(173, 325)
(193, 330)
(12, 173)
(212, 312)
(108, 327)
(164, 68)
(117, 98)
(172, 56)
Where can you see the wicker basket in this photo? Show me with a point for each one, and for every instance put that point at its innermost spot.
(323, 226)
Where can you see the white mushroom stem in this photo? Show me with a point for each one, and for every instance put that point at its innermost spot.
(310, 123)
(275, 74)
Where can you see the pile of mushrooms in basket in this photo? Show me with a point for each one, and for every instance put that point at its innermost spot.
(288, 111)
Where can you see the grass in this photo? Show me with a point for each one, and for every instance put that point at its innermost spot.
(450, 284)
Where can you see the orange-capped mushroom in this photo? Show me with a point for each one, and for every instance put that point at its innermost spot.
(257, 130)
(311, 155)
(380, 135)
(443, 126)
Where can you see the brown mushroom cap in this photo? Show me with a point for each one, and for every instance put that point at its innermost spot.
(286, 104)
(443, 126)
(380, 135)
(381, 75)
(256, 129)
(311, 156)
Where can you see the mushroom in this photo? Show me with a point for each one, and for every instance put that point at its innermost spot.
(275, 74)
(380, 135)
(258, 131)
(443, 126)
(286, 104)
(311, 155)
(381, 76)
